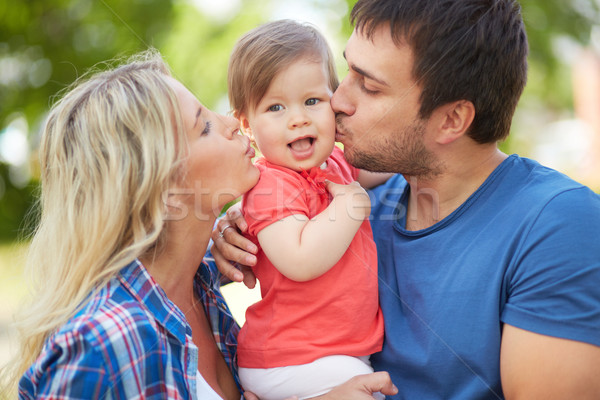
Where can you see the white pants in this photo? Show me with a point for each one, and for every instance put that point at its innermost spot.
(305, 380)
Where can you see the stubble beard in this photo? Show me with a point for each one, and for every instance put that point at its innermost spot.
(402, 152)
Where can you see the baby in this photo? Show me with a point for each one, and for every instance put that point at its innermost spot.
(319, 318)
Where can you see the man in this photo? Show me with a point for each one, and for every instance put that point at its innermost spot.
(489, 264)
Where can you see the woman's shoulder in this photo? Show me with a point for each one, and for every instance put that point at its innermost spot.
(112, 317)
(119, 335)
(107, 345)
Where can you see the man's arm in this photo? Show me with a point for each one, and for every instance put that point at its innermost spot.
(535, 366)
(369, 180)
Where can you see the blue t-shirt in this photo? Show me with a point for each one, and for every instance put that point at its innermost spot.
(524, 249)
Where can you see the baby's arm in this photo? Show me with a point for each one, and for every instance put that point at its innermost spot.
(303, 249)
(369, 180)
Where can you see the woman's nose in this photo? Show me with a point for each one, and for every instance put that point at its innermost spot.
(231, 125)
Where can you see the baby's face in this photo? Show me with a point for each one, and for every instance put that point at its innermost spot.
(293, 124)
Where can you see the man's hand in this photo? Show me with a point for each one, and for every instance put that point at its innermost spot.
(361, 387)
(231, 247)
(252, 396)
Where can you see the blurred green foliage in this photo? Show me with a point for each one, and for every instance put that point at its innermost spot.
(197, 47)
(548, 21)
(46, 44)
(15, 203)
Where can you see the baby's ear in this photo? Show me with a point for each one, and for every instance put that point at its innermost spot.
(245, 126)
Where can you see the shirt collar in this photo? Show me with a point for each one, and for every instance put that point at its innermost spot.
(141, 285)
(315, 176)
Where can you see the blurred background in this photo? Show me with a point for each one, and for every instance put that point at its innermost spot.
(46, 44)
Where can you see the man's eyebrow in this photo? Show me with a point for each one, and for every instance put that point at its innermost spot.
(197, 116)
(364, 73)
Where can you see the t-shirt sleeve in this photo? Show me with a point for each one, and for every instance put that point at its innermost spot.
(552, 287)
(277, 195)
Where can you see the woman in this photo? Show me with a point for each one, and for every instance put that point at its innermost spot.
(134, 172)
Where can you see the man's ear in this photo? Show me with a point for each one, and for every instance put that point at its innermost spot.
(455, 119)
(245, 126)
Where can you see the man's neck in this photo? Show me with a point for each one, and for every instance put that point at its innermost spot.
(434, 198)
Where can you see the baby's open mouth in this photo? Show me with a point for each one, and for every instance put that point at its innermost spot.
(302, 144)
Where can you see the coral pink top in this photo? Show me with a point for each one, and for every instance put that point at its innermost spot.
(336, 313)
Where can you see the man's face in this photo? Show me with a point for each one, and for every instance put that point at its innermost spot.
(377, 106)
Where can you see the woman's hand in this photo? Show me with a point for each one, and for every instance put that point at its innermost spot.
(231, 247)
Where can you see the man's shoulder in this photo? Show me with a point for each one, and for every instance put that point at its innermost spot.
(535, 183)
(540, 176)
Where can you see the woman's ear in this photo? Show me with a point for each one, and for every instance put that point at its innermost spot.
(455, 120)
(245, 126)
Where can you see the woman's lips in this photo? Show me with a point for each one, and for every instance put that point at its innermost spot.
(250, 150)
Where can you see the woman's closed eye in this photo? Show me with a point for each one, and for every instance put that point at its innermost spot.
(207, 128)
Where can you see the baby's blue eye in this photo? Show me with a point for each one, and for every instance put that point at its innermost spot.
(311, 102)
(276, 107)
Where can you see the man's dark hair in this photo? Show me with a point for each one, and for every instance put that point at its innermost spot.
(473, 50)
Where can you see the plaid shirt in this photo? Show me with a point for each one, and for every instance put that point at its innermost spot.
(130, 341)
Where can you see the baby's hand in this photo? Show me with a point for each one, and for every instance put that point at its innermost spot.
(355, 198)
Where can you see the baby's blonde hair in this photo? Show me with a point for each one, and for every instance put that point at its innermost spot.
(109, 151)
(262, 53)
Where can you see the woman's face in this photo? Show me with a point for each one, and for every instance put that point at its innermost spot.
(218, 166)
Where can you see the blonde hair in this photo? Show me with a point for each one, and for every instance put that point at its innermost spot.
(263, 52)
(109, 150)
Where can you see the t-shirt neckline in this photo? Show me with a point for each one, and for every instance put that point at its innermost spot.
(400, 220)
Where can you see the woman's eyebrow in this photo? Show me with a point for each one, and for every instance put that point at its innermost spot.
(197, 116)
